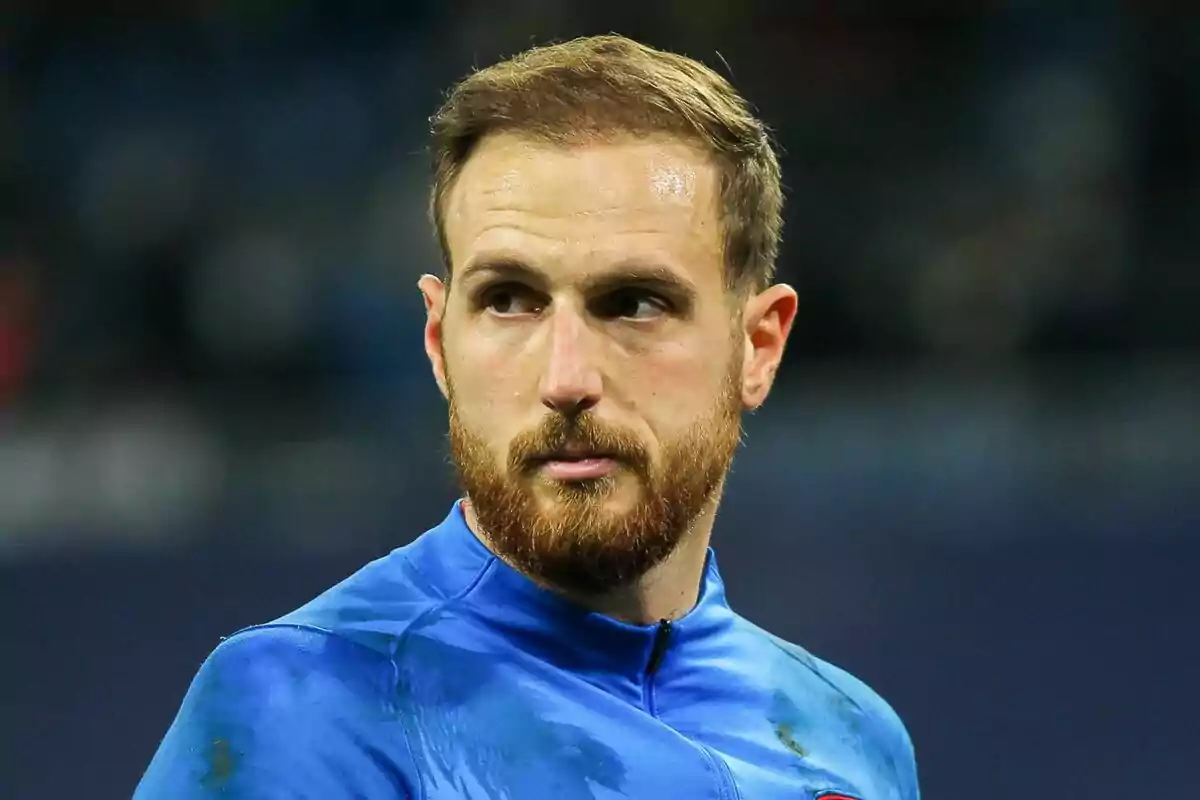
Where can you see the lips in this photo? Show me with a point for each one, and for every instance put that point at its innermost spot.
(573, 453)
(579, 469)
(575, 463)
(581, 455)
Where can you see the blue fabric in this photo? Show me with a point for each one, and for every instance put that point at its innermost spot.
(439, 672)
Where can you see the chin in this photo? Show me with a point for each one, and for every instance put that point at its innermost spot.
(614, 493)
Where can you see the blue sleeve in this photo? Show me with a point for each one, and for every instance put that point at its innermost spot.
(898, 763)
(276, 713)
(897, 747)
(905, 760)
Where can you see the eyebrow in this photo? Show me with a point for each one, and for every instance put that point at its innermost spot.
(624, 275)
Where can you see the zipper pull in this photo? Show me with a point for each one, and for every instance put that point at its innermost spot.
(662, 638)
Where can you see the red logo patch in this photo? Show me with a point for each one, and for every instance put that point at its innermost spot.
(834, 796)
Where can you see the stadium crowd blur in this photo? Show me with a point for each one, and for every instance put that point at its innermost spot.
(984, 450)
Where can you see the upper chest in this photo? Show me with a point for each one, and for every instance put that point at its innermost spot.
(499, 725)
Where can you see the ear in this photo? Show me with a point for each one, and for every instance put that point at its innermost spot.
(434, 293)
(768, 319)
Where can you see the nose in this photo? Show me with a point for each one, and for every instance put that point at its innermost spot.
(571, 382)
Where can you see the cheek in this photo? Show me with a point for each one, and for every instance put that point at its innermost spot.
(675, 386)
(488, 386)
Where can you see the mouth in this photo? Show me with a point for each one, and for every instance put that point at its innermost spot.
(576, 464)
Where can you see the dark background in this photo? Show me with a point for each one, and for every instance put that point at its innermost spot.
(975, 487)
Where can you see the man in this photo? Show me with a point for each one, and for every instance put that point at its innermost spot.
(609, 216)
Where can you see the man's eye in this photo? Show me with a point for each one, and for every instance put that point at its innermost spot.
(637, 304)
(511, 300)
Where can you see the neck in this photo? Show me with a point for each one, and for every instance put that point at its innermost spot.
(666, 592)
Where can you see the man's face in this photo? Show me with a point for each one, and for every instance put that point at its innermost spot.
(592, 357)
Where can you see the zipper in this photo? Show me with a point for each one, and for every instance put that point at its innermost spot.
(662, 639)
(658, 650)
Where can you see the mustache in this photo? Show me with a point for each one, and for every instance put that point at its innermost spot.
(558, 435)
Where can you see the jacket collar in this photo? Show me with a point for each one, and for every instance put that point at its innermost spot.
(617, 656)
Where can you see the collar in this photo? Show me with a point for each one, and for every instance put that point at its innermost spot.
(616, 656)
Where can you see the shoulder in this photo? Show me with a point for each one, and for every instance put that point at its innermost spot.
(837, 680)
(272, 712)
(873, 718)
(267, 653)
(412, 588)
(881, 722)
(373, 607)
(286, 670)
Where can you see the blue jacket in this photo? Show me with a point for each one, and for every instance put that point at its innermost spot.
(439, 672)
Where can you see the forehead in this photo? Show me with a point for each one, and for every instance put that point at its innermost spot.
(624, 199)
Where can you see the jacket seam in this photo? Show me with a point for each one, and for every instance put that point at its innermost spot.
(434, 607)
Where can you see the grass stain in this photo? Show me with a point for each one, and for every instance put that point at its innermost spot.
(783, 731)
(222, 763)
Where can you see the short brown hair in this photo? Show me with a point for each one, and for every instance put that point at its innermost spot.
(597, 87)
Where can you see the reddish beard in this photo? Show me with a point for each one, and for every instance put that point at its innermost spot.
(571, 540)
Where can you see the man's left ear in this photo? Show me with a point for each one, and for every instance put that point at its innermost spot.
(768, 319)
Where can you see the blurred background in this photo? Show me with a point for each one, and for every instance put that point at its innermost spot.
(975, 486)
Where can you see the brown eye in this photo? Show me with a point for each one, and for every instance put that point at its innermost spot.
(509, 300)
(635, 304)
